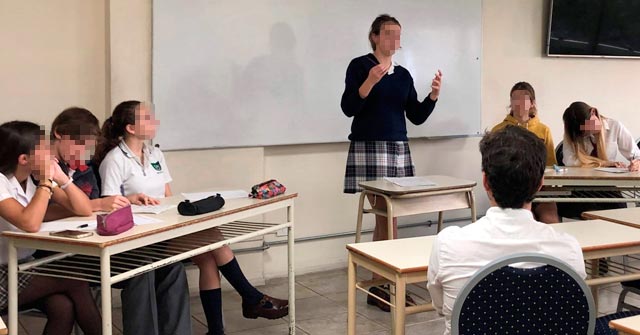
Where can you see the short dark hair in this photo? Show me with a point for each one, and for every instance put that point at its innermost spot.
(17, 138)
(377, 24)
(513, 161)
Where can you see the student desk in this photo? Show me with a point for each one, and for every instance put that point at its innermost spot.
(587, 185)
(111, 259)
(399, 262)
(448, 194)
(602, 239)
(404, 261)
(626, 216)
(626, 326)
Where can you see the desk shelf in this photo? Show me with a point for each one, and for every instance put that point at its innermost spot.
(588, 194)
(131, 263)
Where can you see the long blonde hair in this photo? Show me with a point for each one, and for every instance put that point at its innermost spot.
(575, 116)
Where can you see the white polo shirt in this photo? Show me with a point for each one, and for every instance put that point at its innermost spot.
(10, 188)
(122, 172)
(458, 253)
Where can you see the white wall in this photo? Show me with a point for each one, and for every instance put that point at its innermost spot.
(46, 68)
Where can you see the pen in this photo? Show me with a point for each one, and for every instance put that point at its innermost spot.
(83, 226)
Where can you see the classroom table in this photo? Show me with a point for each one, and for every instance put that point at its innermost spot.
(626, 326)
(626, 216)
(399, 262)
(602, 239)
(576, 184)
(404, 261)
(448, 193)
(111, 259)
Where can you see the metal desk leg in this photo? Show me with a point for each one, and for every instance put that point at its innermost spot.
(105, 286)
(398, 308)
(291, 273)
(390, 216)
(13, 289)
(363, 195)
(595, 269)
(472, 205)
(440, 221)
(351, 296)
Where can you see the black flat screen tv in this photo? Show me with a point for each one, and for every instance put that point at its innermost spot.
(594, 28)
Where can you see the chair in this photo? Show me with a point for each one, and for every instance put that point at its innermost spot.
(559, 154)
(500, 299)
(638, 142)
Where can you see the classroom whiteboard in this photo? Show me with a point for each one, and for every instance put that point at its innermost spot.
(269, 72)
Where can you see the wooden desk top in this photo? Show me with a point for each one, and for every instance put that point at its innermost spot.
(629, 325)
(170, 220)
(442, 183)
(589, 173)
(596, 235)
(402, 255)
(626, 216)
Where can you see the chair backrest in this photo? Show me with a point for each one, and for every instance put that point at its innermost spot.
(500, 299)
(559, 154)
(638, 142)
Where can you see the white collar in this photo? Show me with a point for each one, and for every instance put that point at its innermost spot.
(24, 195)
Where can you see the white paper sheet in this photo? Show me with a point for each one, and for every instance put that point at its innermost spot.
(410, 181)
(151, 209)
(612, 169)
(141, 220)
(230, 194)
(65, 224)
(59, 225)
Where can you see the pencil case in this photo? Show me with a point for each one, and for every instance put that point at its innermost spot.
(116, 222)
(202, 206)
(267, 189)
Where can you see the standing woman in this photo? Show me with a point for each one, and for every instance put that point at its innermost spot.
(25, 158)
(130, 167)
(379, 94)
(592, 140)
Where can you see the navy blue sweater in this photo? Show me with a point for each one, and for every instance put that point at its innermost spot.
(381, 115)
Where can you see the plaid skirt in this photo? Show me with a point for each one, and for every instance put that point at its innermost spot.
(370, 160)
(23, 281)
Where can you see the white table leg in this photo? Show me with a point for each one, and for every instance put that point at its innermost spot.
(291, 272)
(105, 286)
(351, 296)
(13, 289)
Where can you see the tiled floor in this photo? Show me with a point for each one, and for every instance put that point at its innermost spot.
(321, 309)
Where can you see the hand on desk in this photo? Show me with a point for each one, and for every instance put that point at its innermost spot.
(142, 199)
(634, 165)
(113, 202)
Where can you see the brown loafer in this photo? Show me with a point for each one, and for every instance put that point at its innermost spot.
(268, 308)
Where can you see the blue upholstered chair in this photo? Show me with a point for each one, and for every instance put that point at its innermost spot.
(500, 299)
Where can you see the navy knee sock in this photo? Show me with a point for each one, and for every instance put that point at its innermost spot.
(212, 306)
(250, 295)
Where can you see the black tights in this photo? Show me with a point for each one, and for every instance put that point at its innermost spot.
(65, 301)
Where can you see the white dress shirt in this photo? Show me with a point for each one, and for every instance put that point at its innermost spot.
(11, 188)
(616, 138)
(458, 253)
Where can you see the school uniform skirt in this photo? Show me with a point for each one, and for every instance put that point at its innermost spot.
(370, 160)
(23, 281)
